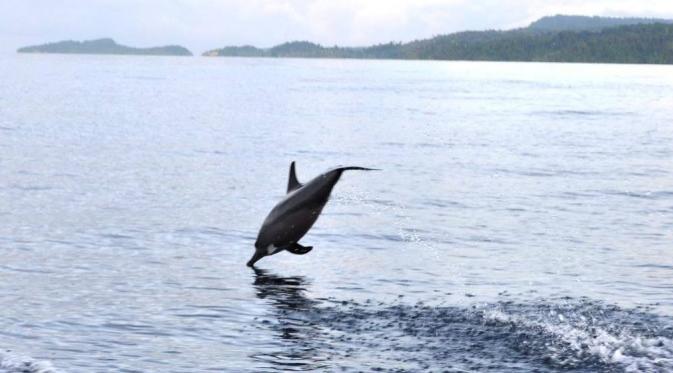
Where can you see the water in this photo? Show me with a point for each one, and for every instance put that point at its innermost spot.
(523, 219)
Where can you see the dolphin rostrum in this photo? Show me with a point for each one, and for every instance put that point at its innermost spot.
(293, 216)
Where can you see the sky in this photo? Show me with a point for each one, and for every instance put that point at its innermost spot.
(202, 25)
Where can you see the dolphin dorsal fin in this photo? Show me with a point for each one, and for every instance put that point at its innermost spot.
(292, 182)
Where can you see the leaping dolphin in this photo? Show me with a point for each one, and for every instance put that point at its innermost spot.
(295, 214)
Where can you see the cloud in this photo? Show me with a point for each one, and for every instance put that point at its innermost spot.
(205, 24)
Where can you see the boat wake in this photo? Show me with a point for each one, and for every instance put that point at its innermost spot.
(565, 334)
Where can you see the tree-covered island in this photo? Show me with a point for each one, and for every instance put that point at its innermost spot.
(104, 46)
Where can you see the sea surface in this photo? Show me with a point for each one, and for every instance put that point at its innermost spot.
(522, 219)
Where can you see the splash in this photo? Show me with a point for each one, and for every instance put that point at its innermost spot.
(576, 333)
(573, 335)
(15, 363)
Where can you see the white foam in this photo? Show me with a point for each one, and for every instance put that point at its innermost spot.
(15, 363)
(636, 353)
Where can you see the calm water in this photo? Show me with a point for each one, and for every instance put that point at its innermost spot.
(523, 219)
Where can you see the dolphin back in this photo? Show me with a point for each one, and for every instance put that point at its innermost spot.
(311, 196)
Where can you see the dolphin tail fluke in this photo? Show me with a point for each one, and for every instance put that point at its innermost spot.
(358, 168)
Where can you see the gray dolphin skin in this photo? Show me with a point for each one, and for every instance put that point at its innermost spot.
(293, 216)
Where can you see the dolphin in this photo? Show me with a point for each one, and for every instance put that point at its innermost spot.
(295, 214)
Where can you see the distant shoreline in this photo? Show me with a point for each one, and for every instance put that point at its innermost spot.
(8, 54)
(438, 60)
(557, 39)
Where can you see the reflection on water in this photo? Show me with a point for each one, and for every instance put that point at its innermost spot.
(285, 293)
(292, 325)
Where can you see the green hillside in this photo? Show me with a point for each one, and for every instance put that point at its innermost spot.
(552, 39)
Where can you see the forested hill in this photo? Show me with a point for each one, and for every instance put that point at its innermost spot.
(648, 43)
(104, 46)
(585, 23)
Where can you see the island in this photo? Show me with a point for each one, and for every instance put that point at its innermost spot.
(104, 46)
(557, 38)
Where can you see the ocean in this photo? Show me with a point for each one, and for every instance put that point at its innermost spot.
(522, 219)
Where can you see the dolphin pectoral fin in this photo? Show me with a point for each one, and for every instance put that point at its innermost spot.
(298, 249)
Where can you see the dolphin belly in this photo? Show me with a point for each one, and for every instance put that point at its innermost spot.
(288, 228)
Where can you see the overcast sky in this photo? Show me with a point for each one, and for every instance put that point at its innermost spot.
(205, 24)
